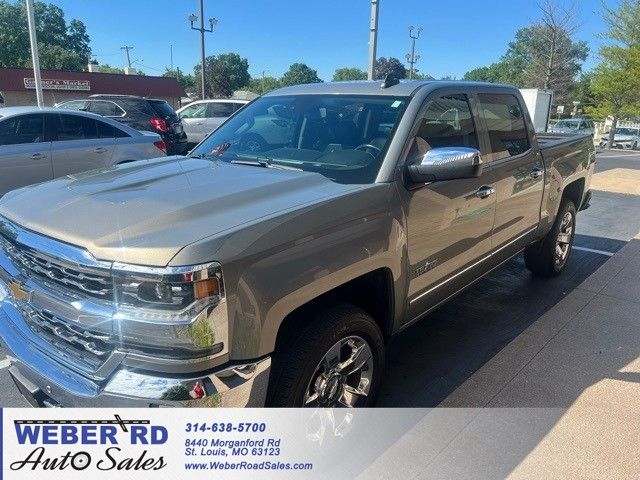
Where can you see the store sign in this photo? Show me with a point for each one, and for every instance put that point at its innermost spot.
(53, 84)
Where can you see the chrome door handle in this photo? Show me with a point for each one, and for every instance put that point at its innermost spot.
(536, 173)
(37, 156)
(100, 150)
(485, 191)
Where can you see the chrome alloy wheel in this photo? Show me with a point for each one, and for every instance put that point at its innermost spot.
(563, 242)
(343, 376)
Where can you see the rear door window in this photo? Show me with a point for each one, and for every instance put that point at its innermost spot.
(109, 131)
(198, 110)
(22, 129)
(219, 110)
(75, 127)
(105, 108)
(505, 123)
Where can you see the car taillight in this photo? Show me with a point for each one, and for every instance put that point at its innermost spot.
(159, 124)
(161, 145)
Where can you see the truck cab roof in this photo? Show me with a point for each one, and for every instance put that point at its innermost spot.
(374, 87)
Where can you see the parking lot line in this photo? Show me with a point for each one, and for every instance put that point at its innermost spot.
(593, 250)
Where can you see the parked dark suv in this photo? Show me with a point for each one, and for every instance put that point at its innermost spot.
(140, 113)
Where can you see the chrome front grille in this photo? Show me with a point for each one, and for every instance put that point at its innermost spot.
(85, 349)
(93, 282)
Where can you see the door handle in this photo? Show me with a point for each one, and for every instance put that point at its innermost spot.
(38, 156)
(536, 173)
(199, 123)
(99, 150)
(485, 191)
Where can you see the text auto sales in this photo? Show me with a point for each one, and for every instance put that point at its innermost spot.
(89, 433)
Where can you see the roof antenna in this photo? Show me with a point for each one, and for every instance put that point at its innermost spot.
(389, 81)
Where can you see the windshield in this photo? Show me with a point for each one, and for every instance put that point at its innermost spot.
(567, 124)
(626, 131)
(341, 137)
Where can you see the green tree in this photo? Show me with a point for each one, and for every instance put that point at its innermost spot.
(542, 55)
(60, 45)
(223, 74)
(263, 85)
(616, 80)
(187, 80)
(299, 73)
(349, 73)
(389, 66)
(422, 76)
(106, 68)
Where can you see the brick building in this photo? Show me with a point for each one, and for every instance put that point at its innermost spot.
(17, 86)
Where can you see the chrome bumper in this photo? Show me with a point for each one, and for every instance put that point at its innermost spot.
(46, 382)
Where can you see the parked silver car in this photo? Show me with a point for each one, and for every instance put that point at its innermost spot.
(625, 138)
(39, 144)
(203, 117)
(574, 126)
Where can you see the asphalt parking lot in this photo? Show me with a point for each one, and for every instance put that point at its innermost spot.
(429, 360)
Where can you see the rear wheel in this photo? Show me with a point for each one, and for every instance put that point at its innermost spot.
(336, 361)
(550, 256)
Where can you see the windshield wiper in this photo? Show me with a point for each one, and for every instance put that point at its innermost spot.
(264, 162)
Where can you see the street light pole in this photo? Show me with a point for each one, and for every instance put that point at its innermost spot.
(373, 38)
(202, 30)
(35, 58)
(412, 58)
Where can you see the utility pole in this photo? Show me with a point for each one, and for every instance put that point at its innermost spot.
(171, 50)
(373, 38)
(35, 58)
(127, 48)
(412, 58)
(212, 23)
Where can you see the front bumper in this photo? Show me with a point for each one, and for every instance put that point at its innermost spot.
(51, 380)
(47, 383)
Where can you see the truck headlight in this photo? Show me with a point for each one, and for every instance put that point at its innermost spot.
(172, 294)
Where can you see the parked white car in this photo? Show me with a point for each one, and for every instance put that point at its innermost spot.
(204, 116)
(574, 126)
(626, 138)
(40, 144)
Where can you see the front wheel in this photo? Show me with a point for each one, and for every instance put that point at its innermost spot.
(336, 361)
(549, 257)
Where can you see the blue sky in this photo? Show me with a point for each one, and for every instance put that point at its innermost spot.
(458, 35)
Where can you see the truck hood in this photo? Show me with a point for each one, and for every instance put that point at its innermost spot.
(145, 212)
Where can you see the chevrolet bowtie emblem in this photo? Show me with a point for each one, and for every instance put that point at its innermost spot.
(18, 292)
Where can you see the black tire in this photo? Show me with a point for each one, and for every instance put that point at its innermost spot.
(542, 258)
(296, 361)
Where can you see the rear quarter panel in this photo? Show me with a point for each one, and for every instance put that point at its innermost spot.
(565, 162)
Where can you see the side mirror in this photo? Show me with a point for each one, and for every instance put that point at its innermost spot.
(446, 163)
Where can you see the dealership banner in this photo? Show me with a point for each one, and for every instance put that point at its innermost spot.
(281, 443)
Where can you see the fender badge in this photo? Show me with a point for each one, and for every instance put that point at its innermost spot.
(18, 292)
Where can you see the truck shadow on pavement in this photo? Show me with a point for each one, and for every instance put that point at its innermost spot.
(429, 360)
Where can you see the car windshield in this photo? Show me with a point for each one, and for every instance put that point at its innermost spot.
(341, 137)
(567, 124)
(626, 131)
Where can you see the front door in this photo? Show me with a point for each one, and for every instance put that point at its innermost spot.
(193, 119)
(449, 222)
(25, 152)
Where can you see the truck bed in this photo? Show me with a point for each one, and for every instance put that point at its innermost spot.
(556, 145)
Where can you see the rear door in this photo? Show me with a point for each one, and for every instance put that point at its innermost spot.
(517, 167)
(448, 222)
(25, 152)
(76, 145)
(217, 112)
